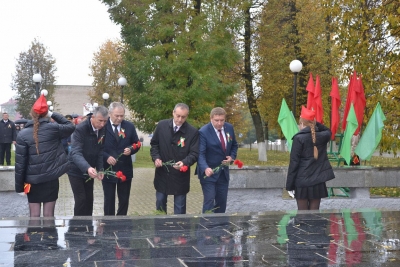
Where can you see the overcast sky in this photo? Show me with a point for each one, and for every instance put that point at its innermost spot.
(71, 30)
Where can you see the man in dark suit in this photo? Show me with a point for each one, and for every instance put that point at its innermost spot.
(175, 144)
(217, 149)
(8, 135)
(86, 159)
(118, 147)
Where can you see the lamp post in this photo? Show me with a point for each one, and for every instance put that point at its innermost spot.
(295, 66)
(122, 82)
(37, 78)
(105, 97)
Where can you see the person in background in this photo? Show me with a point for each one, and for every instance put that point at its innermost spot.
(309, 166)
(86, 160)
(118, 147)
(17, 128)
(174, 148)
(67, 141)
(218, 147)
(8, 135)
(40, 159)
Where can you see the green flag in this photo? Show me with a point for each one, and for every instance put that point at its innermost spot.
(351, 127)
(372, 134)
(288, 123)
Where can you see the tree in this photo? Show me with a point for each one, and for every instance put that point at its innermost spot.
(249, 72)
(36, 59)
(106, 68)
(368, 34)
(294, 30)
(176, 51)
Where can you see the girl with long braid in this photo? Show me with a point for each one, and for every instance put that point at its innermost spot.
(40, 158)
(309, 166)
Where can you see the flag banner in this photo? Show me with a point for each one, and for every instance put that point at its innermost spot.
(351, 127)
(335, 105)
(288, 123)
(372, 134)
(319, 111)
(310, 95)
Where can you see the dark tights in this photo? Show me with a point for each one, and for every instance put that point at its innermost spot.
(308, 204)
(48, 209)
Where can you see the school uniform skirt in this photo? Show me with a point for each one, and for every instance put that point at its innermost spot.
(311, 192)
(44, 192)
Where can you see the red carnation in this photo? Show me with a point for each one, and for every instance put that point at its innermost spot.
(136, 145)
(238, 163)
(123, 178)
(119, 174)
(184, 168)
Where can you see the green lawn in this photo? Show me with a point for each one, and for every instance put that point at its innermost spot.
(275, 158)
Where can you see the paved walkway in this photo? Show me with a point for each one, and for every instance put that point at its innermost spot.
(142, 199)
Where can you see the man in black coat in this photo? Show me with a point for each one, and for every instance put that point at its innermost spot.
(8, 135)
(120, 143)
(174, 148)
(86, 159)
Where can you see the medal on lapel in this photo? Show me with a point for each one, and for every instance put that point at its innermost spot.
(181, 142)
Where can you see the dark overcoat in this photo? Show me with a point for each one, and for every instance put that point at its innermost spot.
(169, 146)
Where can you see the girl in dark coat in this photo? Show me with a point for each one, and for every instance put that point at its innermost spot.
(309, 166)
(40, 158)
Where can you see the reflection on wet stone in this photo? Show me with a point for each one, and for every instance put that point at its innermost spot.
(341, 238)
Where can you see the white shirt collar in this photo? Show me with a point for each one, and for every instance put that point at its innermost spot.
(173, 125)
(118, 126)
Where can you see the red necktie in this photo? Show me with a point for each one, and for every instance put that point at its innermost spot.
(221, 138)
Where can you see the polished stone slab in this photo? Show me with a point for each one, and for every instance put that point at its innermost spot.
(328, 238)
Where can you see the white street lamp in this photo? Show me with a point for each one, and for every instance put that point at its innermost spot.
(105, 97)
(49, 103)
(295, 66)
(122, 82)
(37, 78)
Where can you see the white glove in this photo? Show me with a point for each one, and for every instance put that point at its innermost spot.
(291, 193)
(49, 113)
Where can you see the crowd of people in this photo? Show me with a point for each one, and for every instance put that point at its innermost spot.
(100, 146)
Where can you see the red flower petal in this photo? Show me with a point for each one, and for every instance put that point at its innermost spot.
(184, 168)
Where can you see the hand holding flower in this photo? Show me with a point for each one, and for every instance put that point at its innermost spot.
(127, 151)
(208, 172)
(228, 160)
(100, 176)
(158, 163)
(92, 172)
(178, 165)
(111, 160)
